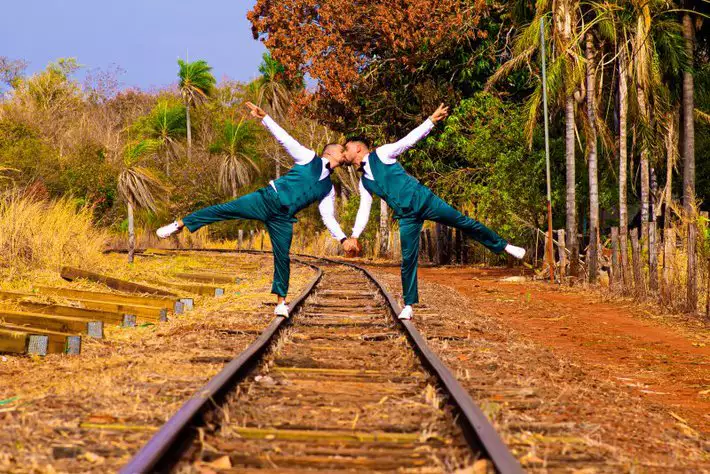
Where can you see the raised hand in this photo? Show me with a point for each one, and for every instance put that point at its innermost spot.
(439, 114)
(256, 111)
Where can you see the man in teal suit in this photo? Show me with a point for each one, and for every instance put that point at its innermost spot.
(276, 204)
(412, 203)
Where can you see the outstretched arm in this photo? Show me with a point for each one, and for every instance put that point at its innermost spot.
(327, 213)
(388, 153)
(363, 213)
(300, 153)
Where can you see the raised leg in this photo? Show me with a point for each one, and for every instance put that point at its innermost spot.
(435, 209)
(250, 206)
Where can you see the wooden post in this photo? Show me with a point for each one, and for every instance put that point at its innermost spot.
(241, 239)
(440, 243)
(563, 253)
(458, 243)
(251, 239)
(644, 235)
(429, 245)
(636, 256)
(449, 245)
(261, 243)
(616, 278)
(668, 264)
(465, 248)
(692, 279)
(625, 264)
(652, 259)
(422, 245)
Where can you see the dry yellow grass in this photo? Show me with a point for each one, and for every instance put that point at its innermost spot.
(136, 377)
(37, 234)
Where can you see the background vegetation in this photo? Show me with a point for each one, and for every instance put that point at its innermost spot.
(619, 116)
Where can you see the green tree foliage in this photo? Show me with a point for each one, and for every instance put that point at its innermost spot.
(480, 162)
(236, 145)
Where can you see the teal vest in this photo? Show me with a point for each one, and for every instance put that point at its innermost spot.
(392, 184)
(302, 186)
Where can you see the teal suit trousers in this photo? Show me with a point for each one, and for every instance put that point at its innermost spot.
(262, 205)
(430, 207)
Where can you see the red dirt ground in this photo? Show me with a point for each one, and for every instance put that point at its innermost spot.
(666, 362)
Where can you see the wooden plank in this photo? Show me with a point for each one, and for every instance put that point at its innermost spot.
(636, 256)
(668, 263)
(13, 341)
(150, 313)
(66, 324)
(616, 279)
(71, 293)
(57, 342)
(326, 436)
(208, 277)
(691, 304)
(625, 265)
(71, 274)
(204, 290)
(108, 317)
(563, 253)
(652, 259)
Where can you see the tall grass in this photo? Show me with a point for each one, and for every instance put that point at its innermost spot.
(38, 234)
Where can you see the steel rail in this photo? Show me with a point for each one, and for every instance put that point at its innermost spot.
(154, 456)
(477, 429)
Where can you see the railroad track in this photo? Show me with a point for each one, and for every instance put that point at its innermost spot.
(342, 385)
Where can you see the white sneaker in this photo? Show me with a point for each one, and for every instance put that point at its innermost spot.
(406, 313)
(281, 310)
(517, 252)
(168, 230)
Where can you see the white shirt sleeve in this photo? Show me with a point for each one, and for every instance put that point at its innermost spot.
(300, 153)
(327, 213)
(388, 153)
(363, 213)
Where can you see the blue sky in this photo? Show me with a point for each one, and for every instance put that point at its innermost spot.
(143, 37)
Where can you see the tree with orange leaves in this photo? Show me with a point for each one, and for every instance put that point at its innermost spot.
(372, 61)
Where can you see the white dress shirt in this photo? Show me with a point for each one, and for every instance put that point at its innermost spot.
(388, 154)
(302, 156)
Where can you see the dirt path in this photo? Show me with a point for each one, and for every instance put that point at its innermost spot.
(665, 363)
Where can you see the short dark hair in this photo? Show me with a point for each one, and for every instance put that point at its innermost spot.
(359, 139)
(325, 148)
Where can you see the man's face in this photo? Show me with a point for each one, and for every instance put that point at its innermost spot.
(352, 149)
(336, 153)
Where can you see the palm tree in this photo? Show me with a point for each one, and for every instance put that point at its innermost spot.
(196, 85)
(272, 90)
(688, 118)
(592, 259)
(165, 125)
(623, 157)
(138, 186)
(565, 75)
(236, 144)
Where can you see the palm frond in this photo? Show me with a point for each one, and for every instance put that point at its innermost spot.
(141, 187)
(196, 80)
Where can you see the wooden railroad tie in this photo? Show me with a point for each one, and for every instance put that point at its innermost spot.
(155, 307)
(52, 322)
(208, 277)
(71, 274)
(56, 342)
